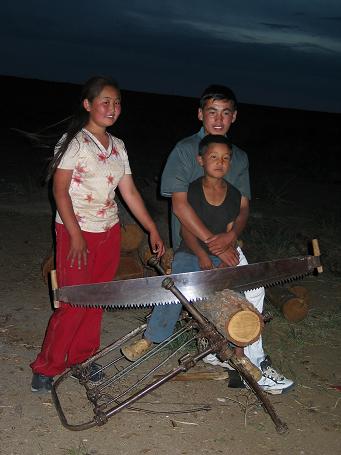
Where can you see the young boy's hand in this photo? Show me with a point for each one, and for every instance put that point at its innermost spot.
(205, 262)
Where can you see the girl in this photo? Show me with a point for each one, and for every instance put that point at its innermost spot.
(88, 165)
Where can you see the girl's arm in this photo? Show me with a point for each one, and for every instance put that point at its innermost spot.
(78, 247)
(135, 203)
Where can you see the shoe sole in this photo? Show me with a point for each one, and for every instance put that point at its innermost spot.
(40, 390)
(279, 391)
(132, 354)
(219, 364)
(95, 381)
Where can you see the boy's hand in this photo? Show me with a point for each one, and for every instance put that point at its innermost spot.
(220, 243)
(78, 251)
(230, 257)
(205, 262)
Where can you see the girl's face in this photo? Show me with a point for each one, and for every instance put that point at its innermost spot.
(104, 109)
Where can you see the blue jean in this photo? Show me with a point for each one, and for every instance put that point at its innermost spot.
(164, 317)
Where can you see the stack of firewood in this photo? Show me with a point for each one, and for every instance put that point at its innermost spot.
(135, 252)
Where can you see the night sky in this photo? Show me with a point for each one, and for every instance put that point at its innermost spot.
(284, 53)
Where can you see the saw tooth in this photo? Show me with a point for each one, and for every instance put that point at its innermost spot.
(199, 299)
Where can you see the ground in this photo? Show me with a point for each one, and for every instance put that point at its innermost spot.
(232, 423)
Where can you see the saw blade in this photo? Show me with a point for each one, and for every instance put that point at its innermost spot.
(194, 285)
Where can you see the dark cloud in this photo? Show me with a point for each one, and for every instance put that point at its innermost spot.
(336, 19)
(270, 54)
(280, 26)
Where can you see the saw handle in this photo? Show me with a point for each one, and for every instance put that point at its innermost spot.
(316, 251)
(154, 262)
(54, 285)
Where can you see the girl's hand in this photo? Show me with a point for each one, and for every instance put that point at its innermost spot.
(78, 251)
(156, 244)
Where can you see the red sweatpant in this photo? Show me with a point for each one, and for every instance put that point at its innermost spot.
(73, 334)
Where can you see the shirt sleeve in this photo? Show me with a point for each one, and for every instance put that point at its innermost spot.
(123, 154)
(242, 180)
(70, 157)
(178, 171)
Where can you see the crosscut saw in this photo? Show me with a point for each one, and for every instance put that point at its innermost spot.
(195, 286)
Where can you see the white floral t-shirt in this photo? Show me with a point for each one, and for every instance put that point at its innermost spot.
(96, 174)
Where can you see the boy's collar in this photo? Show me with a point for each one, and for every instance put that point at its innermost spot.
(202, 134)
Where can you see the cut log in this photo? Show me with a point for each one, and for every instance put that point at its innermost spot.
(199, 376)
(293, 303)
(301, 292)
(131, 237)
(47, 266)
(166, 260)
(233, 316)
(130, 267)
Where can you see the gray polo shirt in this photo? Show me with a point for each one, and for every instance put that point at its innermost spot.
(182, 168)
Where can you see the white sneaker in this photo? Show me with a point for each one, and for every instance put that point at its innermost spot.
(212, 359)
(272, 382)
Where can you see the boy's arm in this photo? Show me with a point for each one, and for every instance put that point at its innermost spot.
(193, 244)
(189, 219)
(217, 242)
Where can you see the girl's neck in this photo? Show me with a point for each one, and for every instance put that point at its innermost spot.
(99, 133)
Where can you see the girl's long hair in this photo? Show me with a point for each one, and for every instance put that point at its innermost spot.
(91, 89)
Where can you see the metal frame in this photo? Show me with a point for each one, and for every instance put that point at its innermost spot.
(106, 404)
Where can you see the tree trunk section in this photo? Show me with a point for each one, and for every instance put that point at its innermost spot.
(292, 302)
(131, 237)
(233, 316)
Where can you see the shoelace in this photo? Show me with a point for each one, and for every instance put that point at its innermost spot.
(272, 374)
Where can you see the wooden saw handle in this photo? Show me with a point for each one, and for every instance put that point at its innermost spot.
(54, 285)
(316, 251)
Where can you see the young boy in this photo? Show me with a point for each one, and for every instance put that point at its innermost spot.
(217, 112)
(215, 201)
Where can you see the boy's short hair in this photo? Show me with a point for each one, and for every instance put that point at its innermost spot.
(217, 92)
(209, 139)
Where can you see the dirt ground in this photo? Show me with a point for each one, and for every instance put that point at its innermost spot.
(232, 422)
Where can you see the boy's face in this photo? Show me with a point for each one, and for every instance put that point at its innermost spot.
(217, 116)
(216, 160)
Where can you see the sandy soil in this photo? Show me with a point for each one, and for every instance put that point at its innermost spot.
(308, 352)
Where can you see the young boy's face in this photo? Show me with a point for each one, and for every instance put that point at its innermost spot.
(217, 116)
(216, 160)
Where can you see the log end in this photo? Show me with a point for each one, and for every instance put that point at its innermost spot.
(294, 310)
(244, 327)
(131, 237)
(129, 268)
